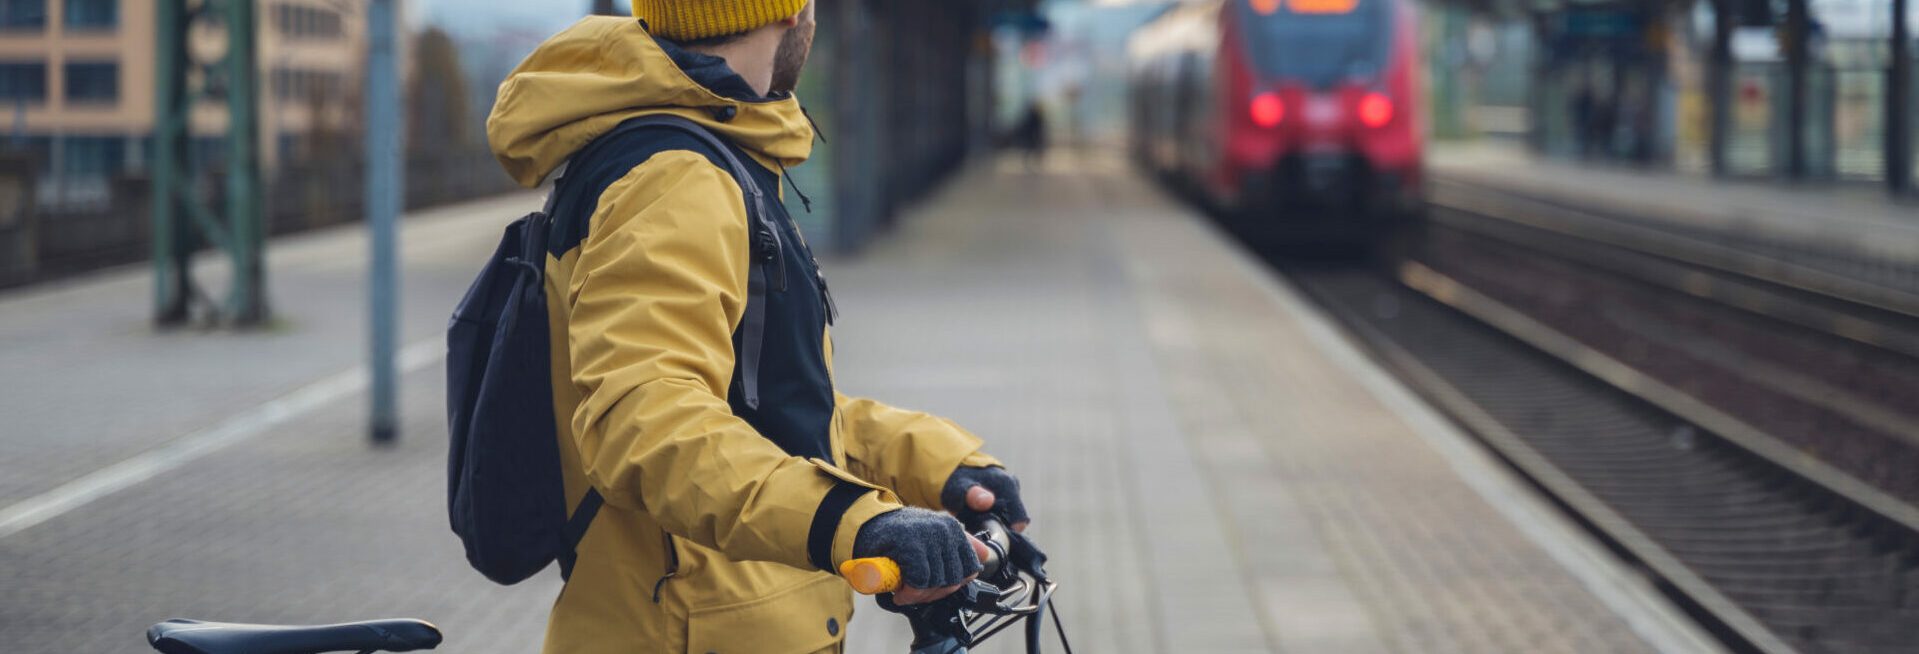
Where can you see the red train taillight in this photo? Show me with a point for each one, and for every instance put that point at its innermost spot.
(1268, 110)
(1375, 110)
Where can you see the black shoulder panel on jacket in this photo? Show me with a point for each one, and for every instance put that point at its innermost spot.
(581, 186)
(797, 402)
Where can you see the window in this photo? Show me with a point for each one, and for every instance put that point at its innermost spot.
(328, 24)
(92, 14)
(291, 146)
(1320, 43)
(93, 82)
(92, 156)
(23, 14)
(23, 82)
(303, 22)
(300, 85)
(287, 83)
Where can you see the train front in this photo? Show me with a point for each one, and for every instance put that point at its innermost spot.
(1323, 135)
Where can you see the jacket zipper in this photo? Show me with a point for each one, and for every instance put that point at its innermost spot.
(819, 274)
(826, 294)
(672, 564)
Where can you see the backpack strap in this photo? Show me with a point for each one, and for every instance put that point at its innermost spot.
(767, 252)
(575, 529)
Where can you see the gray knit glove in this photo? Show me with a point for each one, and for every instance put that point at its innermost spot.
(930, 547)
(1003, 484)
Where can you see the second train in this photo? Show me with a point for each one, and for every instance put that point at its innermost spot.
(1296, 121)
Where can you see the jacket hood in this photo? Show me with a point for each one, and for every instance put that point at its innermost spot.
(605, 70)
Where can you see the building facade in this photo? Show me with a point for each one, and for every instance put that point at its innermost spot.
(77, 85)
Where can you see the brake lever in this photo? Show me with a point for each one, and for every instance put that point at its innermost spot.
(978, 609)
(941, 626)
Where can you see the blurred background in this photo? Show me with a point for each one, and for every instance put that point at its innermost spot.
(1782, 90)
(1311, 325)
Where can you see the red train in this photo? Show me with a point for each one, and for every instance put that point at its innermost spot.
(1296, 120)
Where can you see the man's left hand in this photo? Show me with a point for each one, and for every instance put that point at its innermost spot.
(972, 491)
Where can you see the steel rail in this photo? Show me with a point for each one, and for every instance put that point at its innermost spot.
(1721, 528)
(1565, 489)
(1652, 391)
(1675, 245)
(1737, 294)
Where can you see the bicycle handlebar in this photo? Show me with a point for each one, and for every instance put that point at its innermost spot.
(881, 575)
(1011, 587)
(872, 576)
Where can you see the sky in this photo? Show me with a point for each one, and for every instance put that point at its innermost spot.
(470, 17)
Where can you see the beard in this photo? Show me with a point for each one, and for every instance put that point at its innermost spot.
(790, 58)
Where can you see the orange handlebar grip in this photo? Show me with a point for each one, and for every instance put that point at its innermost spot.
(872, 576)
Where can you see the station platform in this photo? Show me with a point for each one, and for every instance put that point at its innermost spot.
(1854, 222)
(1211, 464)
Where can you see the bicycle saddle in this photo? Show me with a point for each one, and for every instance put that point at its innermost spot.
(196, 637)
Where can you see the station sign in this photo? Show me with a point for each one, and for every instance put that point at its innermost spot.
(1597, 23)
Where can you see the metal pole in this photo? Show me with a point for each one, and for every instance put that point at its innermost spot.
(1537, 95)
(1446, 60)
(1725, 16)
(247, 305)
(383, 184)
(1899, 104)
(169, 281)
(1798, 56)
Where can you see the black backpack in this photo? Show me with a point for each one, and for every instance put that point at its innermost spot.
(505, 494)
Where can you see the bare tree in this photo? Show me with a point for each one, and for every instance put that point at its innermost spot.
(437, 109)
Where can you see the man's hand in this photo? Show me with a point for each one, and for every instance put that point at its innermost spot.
(980, 490)
(935, 554)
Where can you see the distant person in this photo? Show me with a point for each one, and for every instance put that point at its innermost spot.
(1640, 122)
(1585, 105)
(1605, 124)
(692, 374)
(1030, 135)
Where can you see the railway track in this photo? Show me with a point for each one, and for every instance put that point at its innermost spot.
(1774, 549)
(1872, 289)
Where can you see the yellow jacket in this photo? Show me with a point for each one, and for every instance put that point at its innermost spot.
(717, 515)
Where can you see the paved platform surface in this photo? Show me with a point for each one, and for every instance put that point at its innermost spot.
(1213, 468)
(1852, 220)
(88, 382)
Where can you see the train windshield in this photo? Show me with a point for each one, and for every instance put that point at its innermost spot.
(1319, 43)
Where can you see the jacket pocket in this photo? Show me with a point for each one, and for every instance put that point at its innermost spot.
(805, 618)
(841, 474)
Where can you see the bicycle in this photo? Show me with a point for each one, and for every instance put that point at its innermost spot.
(1012, 587)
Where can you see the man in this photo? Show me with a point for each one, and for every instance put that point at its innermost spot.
(729, 497)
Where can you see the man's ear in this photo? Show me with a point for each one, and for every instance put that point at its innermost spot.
(791, 21)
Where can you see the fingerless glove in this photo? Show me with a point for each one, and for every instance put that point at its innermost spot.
(930, 547)
(1003, 484)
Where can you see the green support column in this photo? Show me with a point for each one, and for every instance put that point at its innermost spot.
(1446, 56)
(1719, 83)
(1538, 99)
(1798, 61)
(246, 302)
(182, 219)
(169, 270)
(1899, 104)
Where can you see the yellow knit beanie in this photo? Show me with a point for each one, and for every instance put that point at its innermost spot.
(689, 20)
